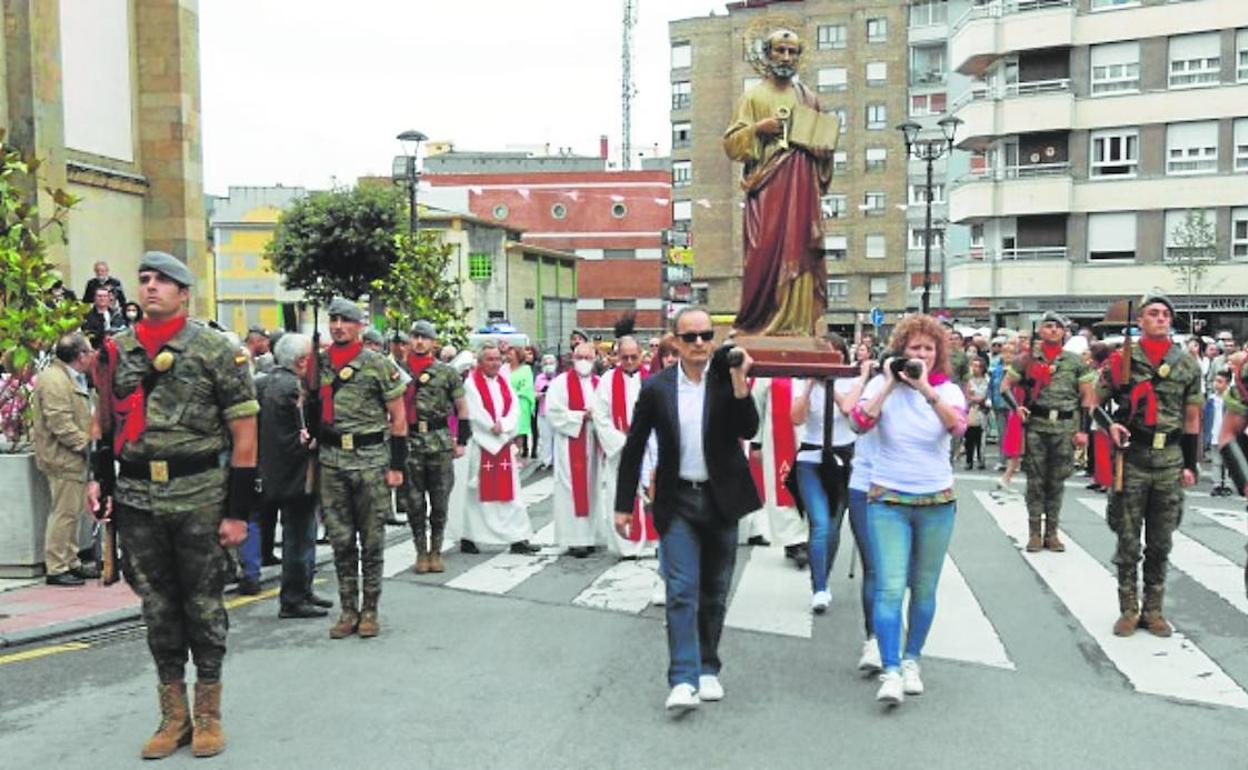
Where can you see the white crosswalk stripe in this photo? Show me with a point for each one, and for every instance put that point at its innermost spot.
(771, 597)
(1234, 520)
(624, 587)
(962, 631)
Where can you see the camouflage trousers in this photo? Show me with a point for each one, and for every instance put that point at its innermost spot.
(175, 563)
(429, 474)
(355, 504)
(1048, 460)
(1151, 500)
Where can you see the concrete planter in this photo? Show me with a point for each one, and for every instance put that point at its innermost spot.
(24, 504)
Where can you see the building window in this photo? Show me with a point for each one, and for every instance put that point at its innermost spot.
(927, 65)
(682, 95)
(1115, 152)
(682, 55)
(877, 73)
(682, 173)
(500, 211)
(559, 211)
(835, 247)
(840, 160)
(1111, 236)
(832, 79)
(682, 211)
(682, 135)
(876, 247)
(877, 30)
(1191, 235)
(918, 238)
(1239, 234)
(701, 293)
(619, 210)
(977, 242)
(1195, 60)
(1241, 55)
(1241, 144)
(834, 206)
(619, 253)
(838, 291)
(879, 288)
(925, 13)
(877, 117)
(1115, 68)
(480, 267)
(832, 36)
(1192, 148)
(922, 105)
(873, 203)
(842, 116)
(877, 158)
(918, 194)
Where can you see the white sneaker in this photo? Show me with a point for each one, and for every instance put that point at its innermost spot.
(891, 691)
(910, 680)
(820, 602)
(870, 663)
(658, 597)
(709, 688)
(681, 699)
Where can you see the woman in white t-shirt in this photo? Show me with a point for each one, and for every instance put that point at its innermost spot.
(911, 503)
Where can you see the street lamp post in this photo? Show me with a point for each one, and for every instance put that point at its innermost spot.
(929, 151)
(404, 170)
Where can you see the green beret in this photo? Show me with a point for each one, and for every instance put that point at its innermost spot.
(1156, 295)
(373, 336)
(169, 266)
(400, 337)
(424, 329)
(1054, 317)
(345, 309)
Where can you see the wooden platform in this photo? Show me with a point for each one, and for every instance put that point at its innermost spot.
(794, 357)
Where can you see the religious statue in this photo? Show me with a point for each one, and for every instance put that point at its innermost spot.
(785, 144)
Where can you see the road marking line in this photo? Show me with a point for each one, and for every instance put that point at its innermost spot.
(1212, 570)
(1233, 520)
(43, 652)
(538, 491)
(502, 573)
(1173, 667)
(771, 596)
(962, 631)
(625, 587)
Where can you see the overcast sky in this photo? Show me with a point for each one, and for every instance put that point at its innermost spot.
(303, 92)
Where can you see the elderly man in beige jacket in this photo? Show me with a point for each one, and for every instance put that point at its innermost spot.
(62, 434)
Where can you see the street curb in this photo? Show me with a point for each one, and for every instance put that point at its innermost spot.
(80, 626)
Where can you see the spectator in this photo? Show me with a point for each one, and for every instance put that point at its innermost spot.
(62, 433)
(103, 279)
(1011, 423)
(668, 354)
(545, 439)
(447, 354)
(103, 320)
(132, 312)
(975, 389)
(257, 344)
(911, 510)
(520, 377)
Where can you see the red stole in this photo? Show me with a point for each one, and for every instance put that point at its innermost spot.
(417, 365)
(641, 526)
(131, 411)
(494, 483)
(578, 462)
(339, 356)
(783, 440)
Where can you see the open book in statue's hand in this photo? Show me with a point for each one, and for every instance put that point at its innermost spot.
(813, 130)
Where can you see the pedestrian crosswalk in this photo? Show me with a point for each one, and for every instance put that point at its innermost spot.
(769, 596)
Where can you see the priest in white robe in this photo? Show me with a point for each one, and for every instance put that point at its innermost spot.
(569, 410)
(613, 414)
(776, 447)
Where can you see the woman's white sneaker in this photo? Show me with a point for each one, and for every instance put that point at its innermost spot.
(870, 663)
(911, 683)
(820, 602)
(891, 691)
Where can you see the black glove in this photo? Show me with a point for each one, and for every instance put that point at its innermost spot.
(244, 494)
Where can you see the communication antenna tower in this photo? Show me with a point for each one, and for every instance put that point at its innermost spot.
(627, 90)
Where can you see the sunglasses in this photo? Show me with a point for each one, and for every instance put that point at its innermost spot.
(692, 337)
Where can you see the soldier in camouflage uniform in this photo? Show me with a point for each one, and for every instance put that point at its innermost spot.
(1057, 383)
(434, 393)
(361, 397)
(1158, 428)
(181, 398)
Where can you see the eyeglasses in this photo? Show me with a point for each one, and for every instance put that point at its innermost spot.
(692, 337)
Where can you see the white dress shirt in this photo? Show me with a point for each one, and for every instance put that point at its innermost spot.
(690, 399)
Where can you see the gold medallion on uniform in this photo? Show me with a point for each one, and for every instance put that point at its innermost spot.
(1163, 370)
(163, 361)
(345, 373)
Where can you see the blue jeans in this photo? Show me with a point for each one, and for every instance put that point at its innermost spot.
(1206, 423)
(298, 549)
(249, 551)
(908, 545)
(698, 561)
(825, 524)
(858, 523)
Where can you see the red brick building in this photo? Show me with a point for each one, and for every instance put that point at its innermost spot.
(613, 220)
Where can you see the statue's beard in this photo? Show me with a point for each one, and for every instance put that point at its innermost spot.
(781, 71)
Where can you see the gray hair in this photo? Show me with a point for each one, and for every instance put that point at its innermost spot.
(290, 348)
(686, 310)
(488, 345)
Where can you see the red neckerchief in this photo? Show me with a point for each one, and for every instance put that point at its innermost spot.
(1155, 351)
(130, 412)
(417, 364)
(154, 335)
(783, 439)
(495, 483)
(1051, 352)
(339, 356)
(578, 459)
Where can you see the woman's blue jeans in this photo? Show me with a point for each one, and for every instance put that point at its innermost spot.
(825, 524)
(858, 523)
(908, 545)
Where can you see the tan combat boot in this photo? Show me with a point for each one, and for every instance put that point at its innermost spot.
(369, 626)
(1129, 604)
(435, 551)
(422, 554)
(1051, 541)
(1151, 618)
(1034, 542)
(175, 722)
(209, 740)
(348, 621)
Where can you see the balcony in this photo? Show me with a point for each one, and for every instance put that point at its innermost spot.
(1040, 188)
(1018, 108)
(1006, 280)
(987, 32)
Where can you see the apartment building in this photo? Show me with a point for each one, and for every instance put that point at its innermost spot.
(1111, 142)
(855, 58)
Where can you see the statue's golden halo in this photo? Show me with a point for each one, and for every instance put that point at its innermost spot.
(756, 32)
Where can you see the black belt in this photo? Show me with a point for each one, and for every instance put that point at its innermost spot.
(1040, 413)
(167, 470)
(1155, 439)
(351, 441)
(427, 426)
(697, 486)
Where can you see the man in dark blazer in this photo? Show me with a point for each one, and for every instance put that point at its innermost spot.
(700, 411)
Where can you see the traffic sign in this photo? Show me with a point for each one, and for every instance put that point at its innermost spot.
(877, 317)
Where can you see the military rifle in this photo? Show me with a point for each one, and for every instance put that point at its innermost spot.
(1124, 377)
(102, 467)
(310, 415)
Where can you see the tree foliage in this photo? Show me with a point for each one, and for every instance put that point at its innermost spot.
(337, 242)
(417, 287)
(1195, 249)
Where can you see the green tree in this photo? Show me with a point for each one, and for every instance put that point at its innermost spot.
(1195, 249)
(31, 318)
(337, 242)
(417, 287)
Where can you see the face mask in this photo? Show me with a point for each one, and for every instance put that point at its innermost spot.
(583, 367)
(549, 369)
